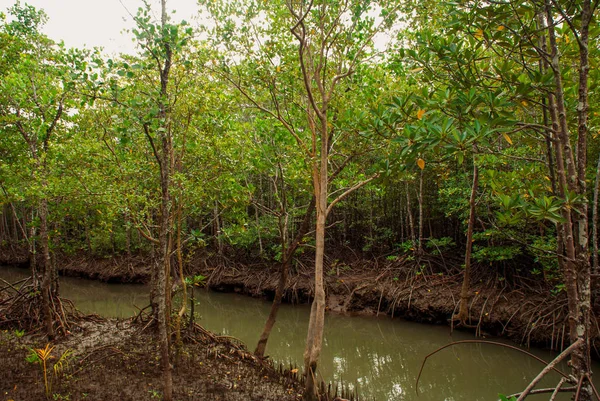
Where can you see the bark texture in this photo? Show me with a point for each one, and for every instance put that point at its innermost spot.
(283, 278)
(463, 310)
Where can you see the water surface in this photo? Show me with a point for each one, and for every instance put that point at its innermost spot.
(380, 356)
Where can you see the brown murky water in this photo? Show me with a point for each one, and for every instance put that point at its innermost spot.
(379, 356)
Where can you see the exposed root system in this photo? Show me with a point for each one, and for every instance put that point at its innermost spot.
(21, 308)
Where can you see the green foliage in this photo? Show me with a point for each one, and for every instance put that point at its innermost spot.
(381, 236)
(558, 288)
(495, 253)
(460, 90)
(62, 363)
(32, 356)
(27, 20)
(197, 281)
(439, 245)
(406, 247)
(543, 248)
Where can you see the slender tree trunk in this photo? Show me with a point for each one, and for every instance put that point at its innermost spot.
(577, 266)
(411, 224)
(283, 277)
(582, 360)
(3, 224)
(258, 230)
(46, 269)
(314, 339)
(33, 253)
(217, 229)
(420, 199)
(15, 231)
(127, 235)
(264, 337)
(595, 220)
(192, 307)
(463, 311)
(402, 225)
(162, 266)
(88, 240)
(182, 310)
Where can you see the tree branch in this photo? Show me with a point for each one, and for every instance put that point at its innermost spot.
(549, 367)
(349, 191)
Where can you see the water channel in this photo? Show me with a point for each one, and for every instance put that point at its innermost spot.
(379, 355)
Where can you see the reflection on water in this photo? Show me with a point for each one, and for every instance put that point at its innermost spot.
(380, 356)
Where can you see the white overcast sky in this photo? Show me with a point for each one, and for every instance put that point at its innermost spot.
(92, 23)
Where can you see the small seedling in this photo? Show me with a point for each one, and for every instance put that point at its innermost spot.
(42, 356)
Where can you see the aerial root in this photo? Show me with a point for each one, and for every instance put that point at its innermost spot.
(21, 306)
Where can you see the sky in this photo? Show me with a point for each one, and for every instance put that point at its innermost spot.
(93, 23)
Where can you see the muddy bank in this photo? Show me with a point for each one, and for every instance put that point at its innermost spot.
(118, 269)
(530, 317)
(134, 269)
(116, 360)
(529, 314)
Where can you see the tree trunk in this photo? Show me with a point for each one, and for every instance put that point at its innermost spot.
(127, 235)
(46, 269)
(581, 359)
(411, 224)
(316, 323)
(595, 219)
(3, 224)
(283, 276)
(192, 307)
(162, 266)
(463, 311)
(182, 310)
(15, 231)
(420, 199)
(33, 253)
(217, 229)
(314, 338)
(575, 228)
(264, 337)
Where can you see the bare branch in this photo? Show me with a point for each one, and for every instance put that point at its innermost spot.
(149, 136)
(482, 342)
(550, 367)
(349, 191)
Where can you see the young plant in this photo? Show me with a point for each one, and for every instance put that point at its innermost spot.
(43, 356)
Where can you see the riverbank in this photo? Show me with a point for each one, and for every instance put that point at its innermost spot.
(116, 360)
(528, 316)
(527, 313)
